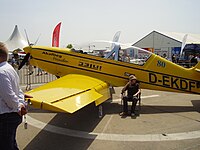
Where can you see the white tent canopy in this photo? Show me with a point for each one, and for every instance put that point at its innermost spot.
(191, 38)
(16, 41)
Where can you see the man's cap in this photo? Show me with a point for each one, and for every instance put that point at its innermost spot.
(132, 77)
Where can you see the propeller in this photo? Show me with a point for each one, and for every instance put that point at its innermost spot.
(27, 37)
(24, 61)
(115, 38)
(26, 58)
(125, 45)
(37, 39)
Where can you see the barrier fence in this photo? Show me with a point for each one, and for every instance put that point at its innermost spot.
(34, 77)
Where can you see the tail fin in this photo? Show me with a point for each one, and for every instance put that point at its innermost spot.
(197, 67)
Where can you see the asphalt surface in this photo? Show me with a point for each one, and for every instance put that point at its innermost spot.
(167, 121)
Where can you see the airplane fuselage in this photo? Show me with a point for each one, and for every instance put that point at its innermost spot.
(156, 74)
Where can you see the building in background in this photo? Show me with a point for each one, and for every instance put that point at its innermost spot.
(166, 43)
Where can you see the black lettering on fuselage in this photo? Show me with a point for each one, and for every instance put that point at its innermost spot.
(166, 81)
(191, 85)
(172, 82)
(183, 84)
(52, 54)
(152, 78)
(198, 84)
(90, 65)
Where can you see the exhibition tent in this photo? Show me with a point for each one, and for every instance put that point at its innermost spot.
(16, 41)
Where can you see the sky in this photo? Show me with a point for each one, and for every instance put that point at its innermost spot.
(89, 20)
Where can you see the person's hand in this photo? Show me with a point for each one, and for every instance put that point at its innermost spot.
(122, 95)
(22, 110)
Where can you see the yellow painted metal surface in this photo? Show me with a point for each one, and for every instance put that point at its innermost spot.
(69, 93)
(157, 73)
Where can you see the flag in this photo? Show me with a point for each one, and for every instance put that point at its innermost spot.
(55, 37)
(183, 44)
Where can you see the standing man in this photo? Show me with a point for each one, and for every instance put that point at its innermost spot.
(12, 106)
(133, 90)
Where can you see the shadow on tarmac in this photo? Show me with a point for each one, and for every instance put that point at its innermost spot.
(85, 119)
(154, 109)
(196, 104)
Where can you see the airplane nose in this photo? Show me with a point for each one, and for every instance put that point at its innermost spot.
(27, 49)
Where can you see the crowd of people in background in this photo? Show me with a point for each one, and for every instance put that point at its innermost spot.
(192, 60)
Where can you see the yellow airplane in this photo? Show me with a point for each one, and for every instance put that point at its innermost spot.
(85, 78)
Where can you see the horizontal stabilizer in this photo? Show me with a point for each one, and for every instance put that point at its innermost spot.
(72, 103)
(69, 93)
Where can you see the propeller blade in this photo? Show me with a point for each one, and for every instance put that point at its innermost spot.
(26, 58)
(125, 45)
(27, 37)
(37, 39)
(115, 39)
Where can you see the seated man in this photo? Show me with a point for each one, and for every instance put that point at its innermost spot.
(133, 90)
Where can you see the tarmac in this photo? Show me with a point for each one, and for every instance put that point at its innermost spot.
(167, 121)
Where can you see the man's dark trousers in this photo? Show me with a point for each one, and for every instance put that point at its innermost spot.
(127, 99)
(8, 126)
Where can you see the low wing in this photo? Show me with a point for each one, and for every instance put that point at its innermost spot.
(70, 93)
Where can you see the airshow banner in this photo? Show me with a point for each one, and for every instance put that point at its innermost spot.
(56, 35)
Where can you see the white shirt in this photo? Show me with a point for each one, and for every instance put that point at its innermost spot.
(10, 93)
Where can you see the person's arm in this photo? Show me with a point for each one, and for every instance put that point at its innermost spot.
(125, 88)
(7, 93)
(22, 104)
(139, 90)
(21, 96)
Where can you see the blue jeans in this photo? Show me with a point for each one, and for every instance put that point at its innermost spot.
(8, 126)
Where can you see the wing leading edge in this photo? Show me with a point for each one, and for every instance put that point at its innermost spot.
(70, 93)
